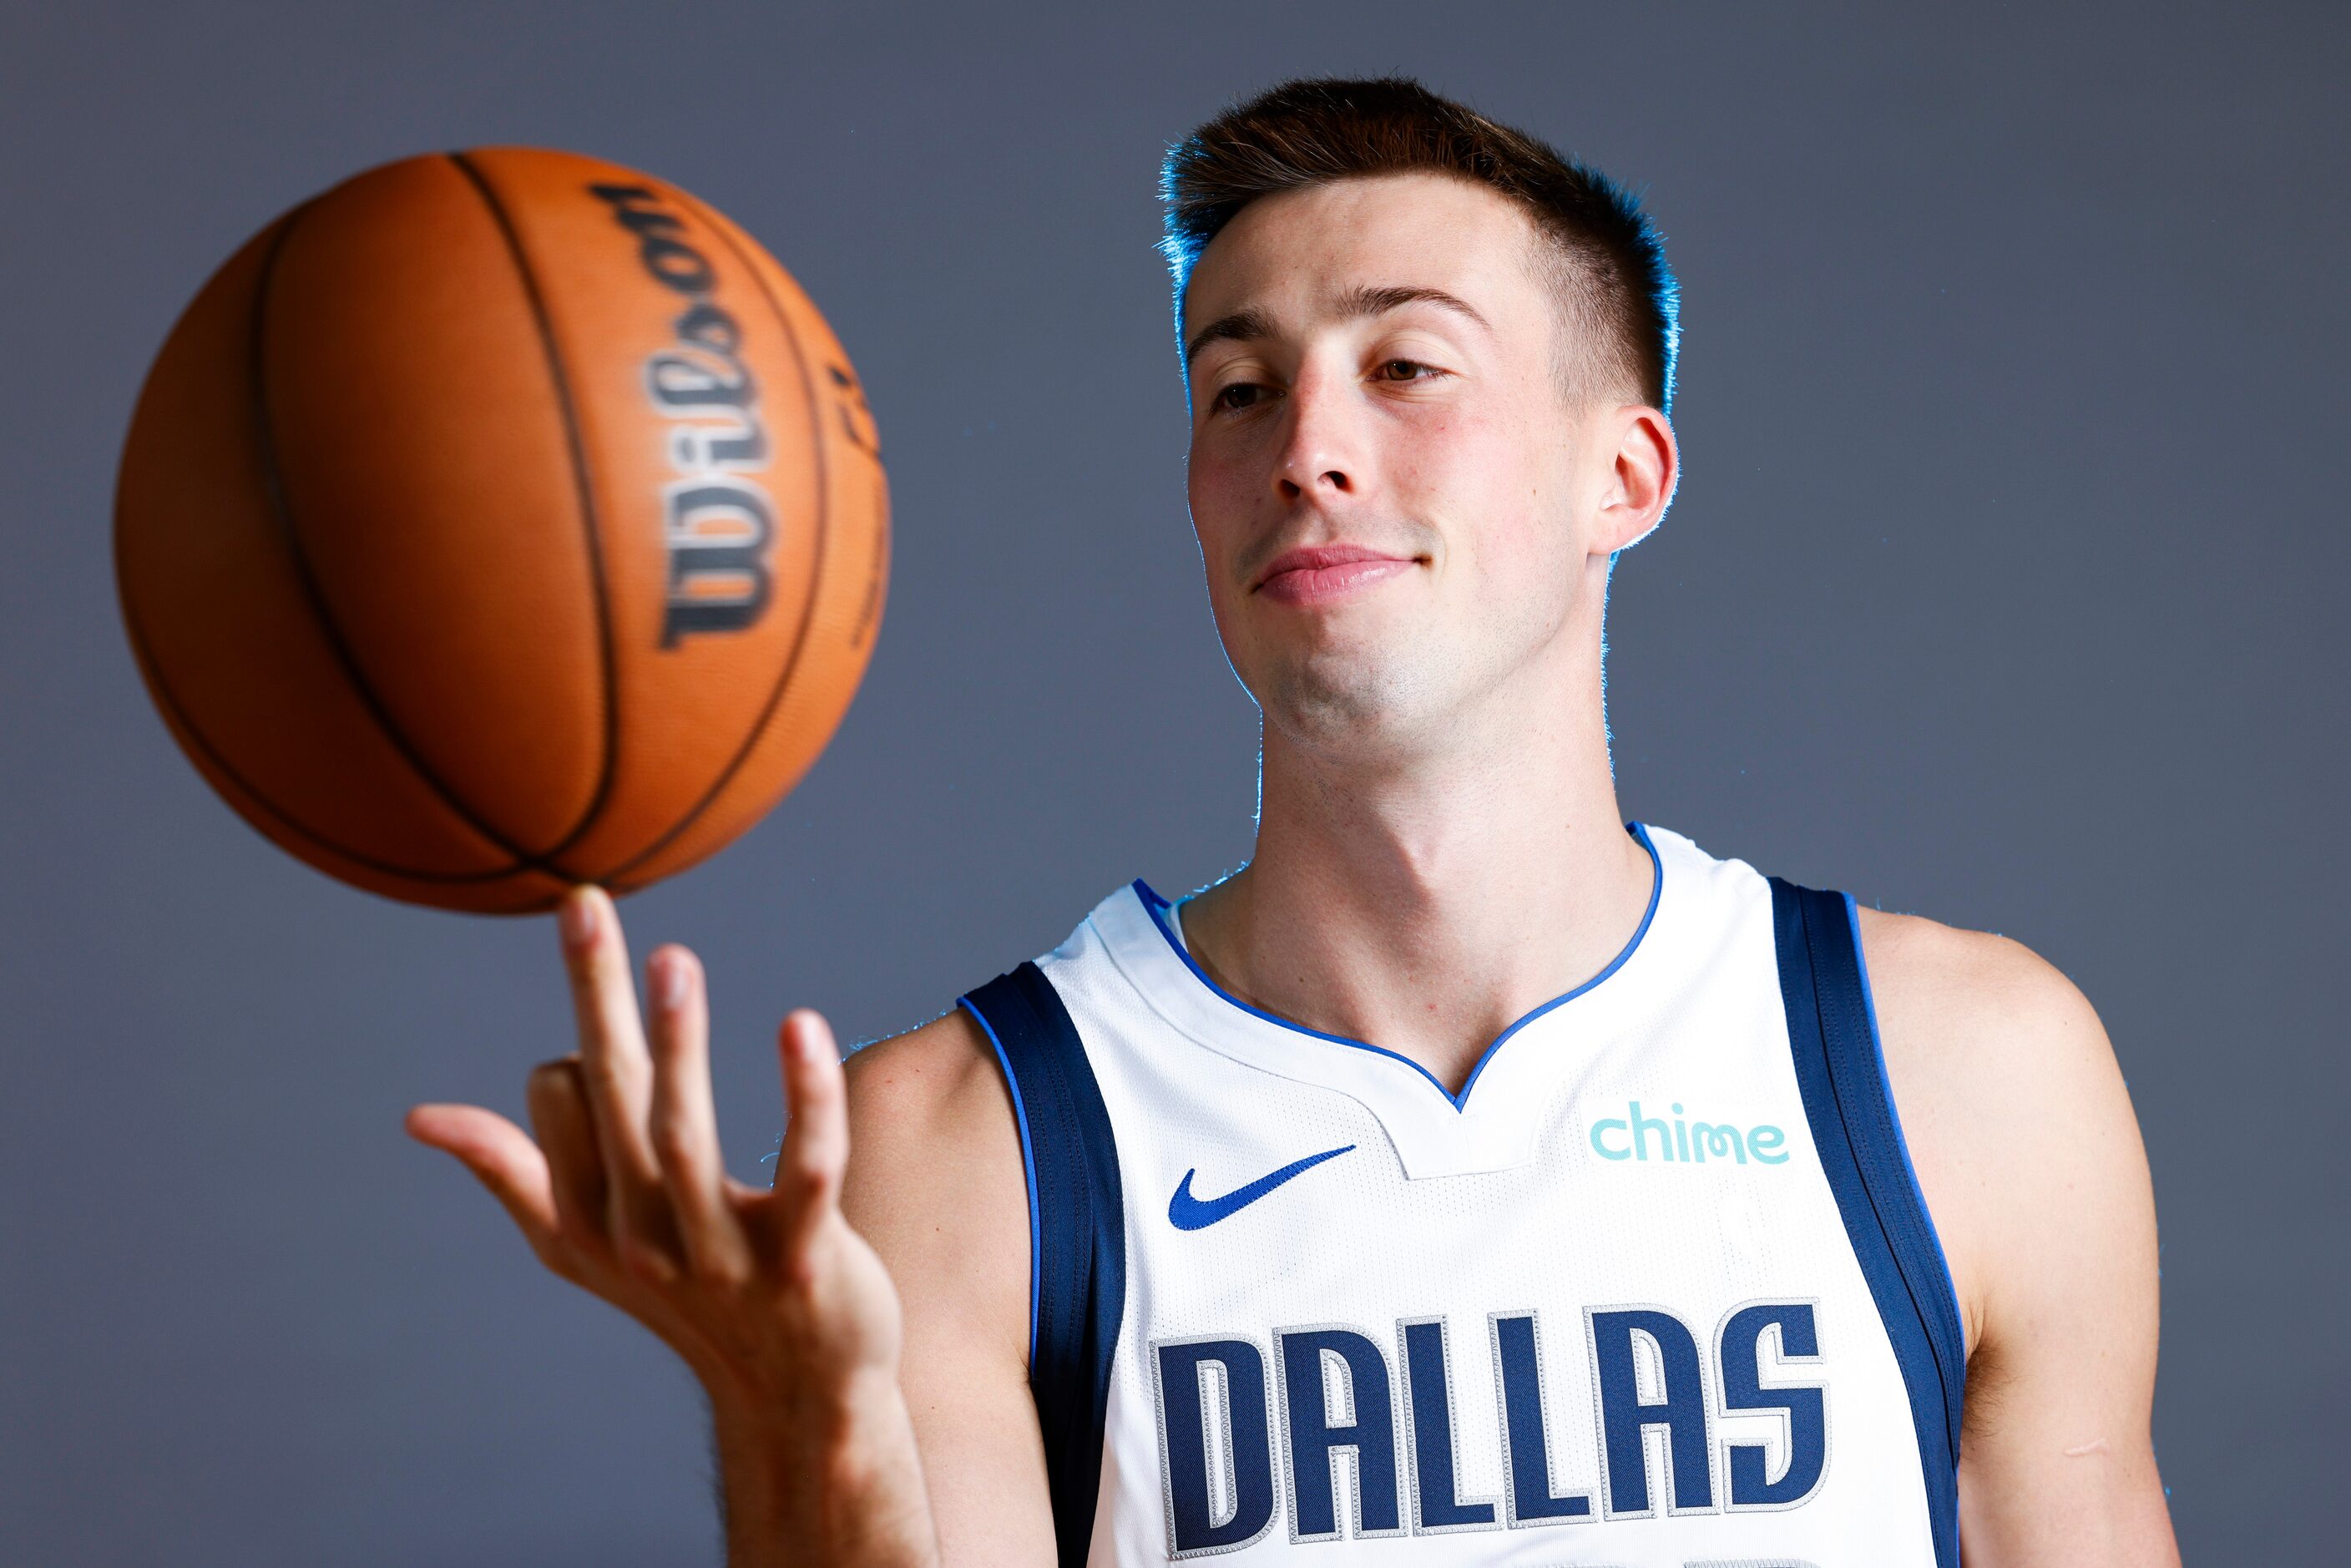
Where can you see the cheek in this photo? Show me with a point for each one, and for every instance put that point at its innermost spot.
(1220, 498)
(1481, 479)
(1218, 463)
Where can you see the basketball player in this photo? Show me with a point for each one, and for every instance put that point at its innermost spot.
(1469, 1178)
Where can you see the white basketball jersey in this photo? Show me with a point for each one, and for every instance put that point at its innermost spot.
(1657, 1289)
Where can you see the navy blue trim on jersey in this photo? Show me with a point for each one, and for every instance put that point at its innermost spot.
(1942, 1265)
(1027, 1166)
(1077, 1235)
(1156, 907)
(1849, 1106)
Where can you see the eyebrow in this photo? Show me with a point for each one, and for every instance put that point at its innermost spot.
(1248, 325)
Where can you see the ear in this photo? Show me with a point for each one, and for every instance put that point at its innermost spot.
(1643, 465)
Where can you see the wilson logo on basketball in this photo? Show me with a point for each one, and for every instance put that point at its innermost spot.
(717, 522)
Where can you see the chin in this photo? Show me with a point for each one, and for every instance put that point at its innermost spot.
(1338, 701)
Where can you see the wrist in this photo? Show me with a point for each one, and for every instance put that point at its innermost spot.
(829, 1475)
(807, 1419)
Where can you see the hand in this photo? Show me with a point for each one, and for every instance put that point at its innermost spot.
(783, 1312)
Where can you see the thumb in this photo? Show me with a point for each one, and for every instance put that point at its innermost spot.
(500, 1156)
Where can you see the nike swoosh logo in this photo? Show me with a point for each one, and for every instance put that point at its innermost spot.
(1186, 1212)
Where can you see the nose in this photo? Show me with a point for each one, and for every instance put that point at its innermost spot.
(1323, 457)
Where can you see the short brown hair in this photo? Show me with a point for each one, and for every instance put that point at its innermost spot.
(1611, 276)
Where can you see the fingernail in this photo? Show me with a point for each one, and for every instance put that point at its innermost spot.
(670, 982)
(576, 919)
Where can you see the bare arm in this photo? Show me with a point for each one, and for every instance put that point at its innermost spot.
(2032, 1163)
(935, 1183)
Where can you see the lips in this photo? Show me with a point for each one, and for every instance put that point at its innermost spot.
(1313, 574)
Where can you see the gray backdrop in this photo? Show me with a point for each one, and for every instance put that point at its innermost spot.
(2004, 585)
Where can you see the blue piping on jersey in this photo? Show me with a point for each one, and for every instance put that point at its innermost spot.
(1156, 906)
(1869, 1005)
(1027, 1171)
(1833, 1045)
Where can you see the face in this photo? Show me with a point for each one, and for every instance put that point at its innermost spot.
(1402, 512)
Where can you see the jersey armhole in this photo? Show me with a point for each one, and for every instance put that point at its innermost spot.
(1943, 1269)
(1077, 1235)
(1849, 1106)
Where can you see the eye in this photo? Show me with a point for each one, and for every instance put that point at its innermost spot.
(1240, 395)
(1406, 370)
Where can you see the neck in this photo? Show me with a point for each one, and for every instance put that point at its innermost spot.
(1425, 902)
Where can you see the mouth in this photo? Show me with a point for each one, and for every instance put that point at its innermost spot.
(1316, 574)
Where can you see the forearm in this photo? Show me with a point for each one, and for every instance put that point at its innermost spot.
(835, 1483)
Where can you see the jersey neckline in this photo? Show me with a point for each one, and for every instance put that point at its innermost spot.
(1156, 907)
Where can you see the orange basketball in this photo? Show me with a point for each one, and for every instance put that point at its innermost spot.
(497, 521)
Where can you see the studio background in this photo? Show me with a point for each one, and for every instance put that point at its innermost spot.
(2004, 585)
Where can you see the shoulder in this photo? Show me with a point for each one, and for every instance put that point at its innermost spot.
(1980, 1032)
(927, 1108)
(1991, 979)
(2011, 1104)
(1969, 1019)
(938, 1070)
(935, 1183)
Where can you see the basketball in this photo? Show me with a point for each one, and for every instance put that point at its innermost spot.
(497, 521)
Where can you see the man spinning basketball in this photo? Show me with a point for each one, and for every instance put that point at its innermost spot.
(1469, 1178)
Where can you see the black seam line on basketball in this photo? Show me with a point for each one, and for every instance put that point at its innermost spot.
(168, 700)
(583, 486)
(816, 566)
(273, 483)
